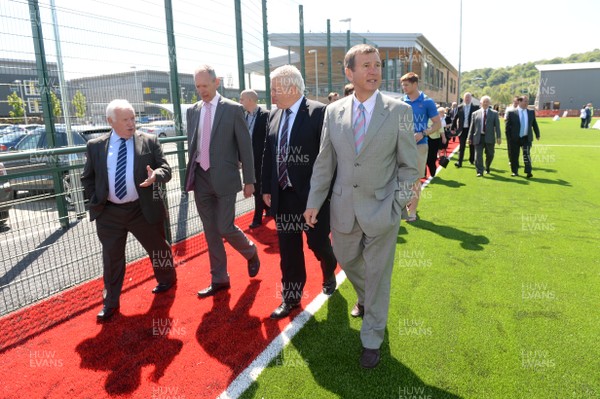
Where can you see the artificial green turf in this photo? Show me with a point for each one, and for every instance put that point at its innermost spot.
(496, 291)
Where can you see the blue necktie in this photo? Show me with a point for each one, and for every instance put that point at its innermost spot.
(283, 151)
(523, 127)
(120, 184)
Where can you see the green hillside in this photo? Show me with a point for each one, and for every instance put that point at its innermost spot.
(503, 83)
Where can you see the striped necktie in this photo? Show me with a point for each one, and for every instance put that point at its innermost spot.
(283, 151)
(120, 183)
(360, 127)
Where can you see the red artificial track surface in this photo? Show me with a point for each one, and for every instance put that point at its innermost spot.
(168, 345)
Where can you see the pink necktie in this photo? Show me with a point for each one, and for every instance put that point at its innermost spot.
(205, 143)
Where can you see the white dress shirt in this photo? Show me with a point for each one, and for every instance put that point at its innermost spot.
(111, 163)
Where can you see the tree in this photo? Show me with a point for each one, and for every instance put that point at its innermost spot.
(164, 113)
(17, 105)
(194, 99)
(55, 105)
(80, 104)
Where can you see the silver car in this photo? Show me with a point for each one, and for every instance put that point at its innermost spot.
(159, 128)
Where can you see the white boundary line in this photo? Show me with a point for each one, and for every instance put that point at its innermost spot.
(251, 373)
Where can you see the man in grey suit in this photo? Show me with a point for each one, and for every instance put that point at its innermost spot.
(121, 179)
(368, 138)
(484, 133)
(218, 140)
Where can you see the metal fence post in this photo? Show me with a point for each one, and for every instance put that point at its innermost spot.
(329, 83)
(302, 60)
(266, 55)
(240, 43)
(45, 85)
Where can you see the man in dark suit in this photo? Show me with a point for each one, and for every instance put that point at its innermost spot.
(520, 127)
(484, 133)
(292, 146)
(121, 180)
(256, 118)
(461, 122)
(218, 140)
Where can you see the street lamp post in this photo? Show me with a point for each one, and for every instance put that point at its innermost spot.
(136, 86)
(18, 82)
(315, 52)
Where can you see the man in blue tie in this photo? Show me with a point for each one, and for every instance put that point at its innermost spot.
(520, 127)
(121, 178)
(292, 145)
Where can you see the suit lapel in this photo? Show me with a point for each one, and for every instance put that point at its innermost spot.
(274, 128)
(194, 122)
(218, 114)
(295, 130)
(345, 118)
(138, 145)
(103, 155)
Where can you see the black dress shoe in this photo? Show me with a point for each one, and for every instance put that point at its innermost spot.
(253, 265)
(514, 174)
(255, 225)
(160, 288)
(283, 310)
(487, 171)
(213, 289)
(369, 358)
(458, 164)
(529, 175)
(106, 313)
(358, 310)
(329, 286)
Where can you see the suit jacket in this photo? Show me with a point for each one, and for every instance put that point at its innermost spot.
(305, 138)
(374, 185)
(229, 144)
(492, 126)
(259, 135)
(459, 119)
(513, 125)
(147, 151)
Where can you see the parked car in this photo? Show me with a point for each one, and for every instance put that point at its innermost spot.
(6, 195)
(43, 183)
(159, 128)
(31, 126)
(91, 132)
(9, 141)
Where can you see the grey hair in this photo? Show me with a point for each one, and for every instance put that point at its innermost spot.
(251, 94)
(117, 104)
(484, 97)
(206, 68)
(290, 76)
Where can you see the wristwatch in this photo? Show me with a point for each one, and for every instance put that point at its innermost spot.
(424, 133)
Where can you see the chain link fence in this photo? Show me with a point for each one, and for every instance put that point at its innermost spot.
(62, 61)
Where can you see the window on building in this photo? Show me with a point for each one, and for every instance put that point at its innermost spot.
(31, 88)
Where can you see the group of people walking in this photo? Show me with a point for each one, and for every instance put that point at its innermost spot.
(349, 170)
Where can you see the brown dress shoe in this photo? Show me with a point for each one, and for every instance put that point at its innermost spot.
(369, 358)
(213, 289)
(358, 310)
